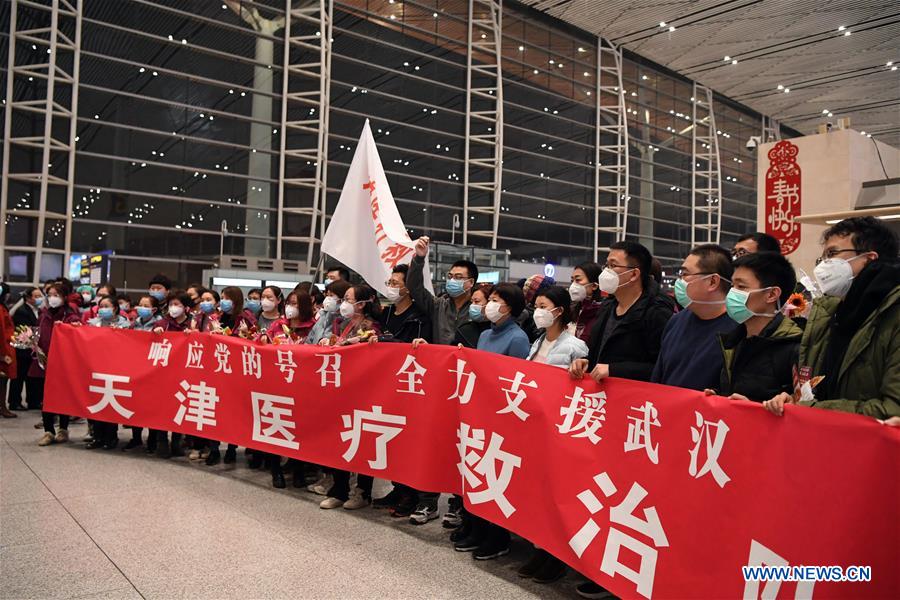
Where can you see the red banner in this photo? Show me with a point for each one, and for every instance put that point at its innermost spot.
(652, 491)
(783, 188)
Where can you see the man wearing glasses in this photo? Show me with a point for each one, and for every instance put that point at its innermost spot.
(755, 242)
(852, 338)
(447, 314)
(626, 338)
(690, 356)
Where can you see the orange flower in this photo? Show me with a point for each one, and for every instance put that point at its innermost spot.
(796, 305)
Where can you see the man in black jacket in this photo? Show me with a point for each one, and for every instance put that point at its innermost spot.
(403, 322)
(626, 338)
(760, 354)
(26, 313)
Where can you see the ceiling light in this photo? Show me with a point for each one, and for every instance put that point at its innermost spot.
(787, 90)
(734, 61)
(841, 28)
(780, 87)
(727, 58)
(671, 28)
(580, 49)
(662, 23)
(824, 111)
(846, 33)
(830, 114)
(521, 48)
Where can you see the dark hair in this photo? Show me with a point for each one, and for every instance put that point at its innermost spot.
(560, 298)
(715, 259)
(4, 291)
(67, 286)
(196, 286)
(363, 293)
(124, 297)
(772, 269)
(868, 234)
(112, 300)
(154, 303)
(26, 293)
(254, 291)
(304, 304)
(234, 293)
(338, 288)
(214, 293)
(485, 288)
(303, 286)
(656, 270)
(279, 295)
(592, 271)
(638, 253)
(317, 296)
(342, 271)
(110, 290)
(764, 241)
(470, 268)
(162, 280)
(513, 296)
(182, 297)
(403, 270)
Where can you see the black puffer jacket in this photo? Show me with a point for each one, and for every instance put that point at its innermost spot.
(633, 347)
(761, 366)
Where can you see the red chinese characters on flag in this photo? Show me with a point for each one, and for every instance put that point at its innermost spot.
(783, 189)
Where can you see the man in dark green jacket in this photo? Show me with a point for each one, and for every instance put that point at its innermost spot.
(760, 354)
(852, 337)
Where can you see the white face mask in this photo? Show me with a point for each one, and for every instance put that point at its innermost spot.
(268, 305)
(175, 311)
(835, 276)
(54, 301)
(543, 318)
(492, 311)
(393, 295)
(330, 304)
(291, 312)
(347, 309)
(86, 298)
(578, 292)
(609, 280)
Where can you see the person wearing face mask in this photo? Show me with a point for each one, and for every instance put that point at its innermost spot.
(108, 315)
(485, 540)
(402, 322)
(360, 312)
(555, 345)
(336, 273)
(299, 317)
(690, 356)
(195, 290)
(852, 337)
(25, 313)
(760, 353)
(126, 307)
(447, 312)
(252, 304)
(469, 332)
(233, 313)
(7, 352)
(57, 311)
(87, 302)
(177, 319)
(146, 319)
(206, 310)
(334, 292)
(585, 295)
(272, 309)
(91, 307)
(627, 334)
(159, 287)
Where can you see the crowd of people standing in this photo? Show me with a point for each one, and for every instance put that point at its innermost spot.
(738, 325)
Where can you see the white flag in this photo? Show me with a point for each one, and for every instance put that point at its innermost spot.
(366, 232)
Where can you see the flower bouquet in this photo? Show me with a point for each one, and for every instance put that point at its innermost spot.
(287, 336)
(26, 338)
(796, 306)
(216, 327)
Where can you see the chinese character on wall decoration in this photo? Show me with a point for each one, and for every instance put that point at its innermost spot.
(783, 196)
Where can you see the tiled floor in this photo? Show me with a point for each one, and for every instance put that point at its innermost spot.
(76, 523)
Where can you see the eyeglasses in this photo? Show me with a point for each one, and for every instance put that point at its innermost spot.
(393, 284)
(833, 252)
(458, 276)
(739, 252)
(683, 273)
(615, 266)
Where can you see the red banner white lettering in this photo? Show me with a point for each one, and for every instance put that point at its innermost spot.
(652, 491)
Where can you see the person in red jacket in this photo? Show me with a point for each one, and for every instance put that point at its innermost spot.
(7, 353)
(177, 319)
(57, 311)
